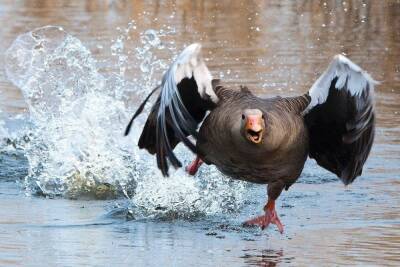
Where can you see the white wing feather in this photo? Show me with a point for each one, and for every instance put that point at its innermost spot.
(190, 62)
(344, 70)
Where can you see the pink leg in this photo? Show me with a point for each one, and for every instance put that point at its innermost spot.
(270, 216)
(193, 167)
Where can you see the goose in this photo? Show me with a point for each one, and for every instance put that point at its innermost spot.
(261, 140)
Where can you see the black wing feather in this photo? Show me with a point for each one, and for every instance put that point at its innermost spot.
(139, 110)
(341, 131)
(186, 95)
(172, 121)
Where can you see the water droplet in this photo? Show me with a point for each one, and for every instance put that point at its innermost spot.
(152, 38)
(145, 66)
(117, 47)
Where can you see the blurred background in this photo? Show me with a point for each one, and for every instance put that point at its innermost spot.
(60, 124)
(267, 44)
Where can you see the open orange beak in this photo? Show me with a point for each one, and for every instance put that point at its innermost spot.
(254, 128)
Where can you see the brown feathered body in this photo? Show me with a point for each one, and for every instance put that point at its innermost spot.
(279, 159)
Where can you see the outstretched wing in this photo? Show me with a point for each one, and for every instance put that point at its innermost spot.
(341, 118)
(186, 95)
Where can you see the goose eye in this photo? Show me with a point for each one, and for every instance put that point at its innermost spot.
(262, 116)
(243, 117)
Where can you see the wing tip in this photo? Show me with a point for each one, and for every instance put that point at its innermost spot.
(127, 130)
(348, 179)
(340, 58)
(128, 127)
(192, 49)
(195, 45)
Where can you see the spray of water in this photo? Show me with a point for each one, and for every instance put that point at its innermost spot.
(77, 116)
(3, 131)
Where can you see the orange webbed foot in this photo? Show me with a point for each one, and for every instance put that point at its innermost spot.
(270, 216)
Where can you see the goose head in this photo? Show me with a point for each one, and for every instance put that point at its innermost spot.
(253, 125)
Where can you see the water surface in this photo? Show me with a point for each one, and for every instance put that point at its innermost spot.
(54, 216)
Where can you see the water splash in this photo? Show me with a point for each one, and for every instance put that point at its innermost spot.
(77, 117)
(3, 130)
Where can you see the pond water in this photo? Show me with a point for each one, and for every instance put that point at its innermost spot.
(74, 191)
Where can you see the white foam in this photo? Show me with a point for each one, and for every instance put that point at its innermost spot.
(77, 124)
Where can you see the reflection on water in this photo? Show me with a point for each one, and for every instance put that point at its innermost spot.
(275, 47)
(268, 258)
